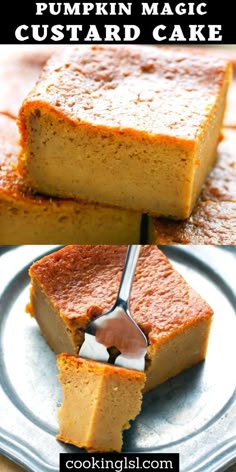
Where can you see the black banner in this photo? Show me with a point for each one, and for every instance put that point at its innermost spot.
(109, 22)
(119, 462)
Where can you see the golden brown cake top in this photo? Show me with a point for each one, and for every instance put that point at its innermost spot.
(68, 362)
(20, 67)
(81, 282)
(133, 88)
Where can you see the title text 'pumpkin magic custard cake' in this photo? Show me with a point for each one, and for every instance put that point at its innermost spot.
(77, 283)
(130, 126)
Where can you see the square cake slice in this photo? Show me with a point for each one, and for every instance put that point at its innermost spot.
(77, 283)
(30, 218)
(130, 126)
(99, 401)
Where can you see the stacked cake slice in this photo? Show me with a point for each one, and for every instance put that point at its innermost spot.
(129, 126)
(106, 134)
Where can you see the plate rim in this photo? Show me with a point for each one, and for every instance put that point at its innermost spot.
(24, 455)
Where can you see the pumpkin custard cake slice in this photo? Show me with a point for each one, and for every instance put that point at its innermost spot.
(130, 126)
(99, 401)
(77, 283)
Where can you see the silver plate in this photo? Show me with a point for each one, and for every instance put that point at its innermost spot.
(193, 414)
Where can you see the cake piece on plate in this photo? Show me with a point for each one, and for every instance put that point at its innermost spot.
(77, 283)
(99, 401)
(130, 126)
(30, 218)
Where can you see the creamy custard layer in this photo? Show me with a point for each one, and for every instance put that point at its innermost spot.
(27, 217)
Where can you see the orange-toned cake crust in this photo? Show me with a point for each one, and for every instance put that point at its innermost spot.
(149, 116)
(161, 301)
(142, 74)
(90, 365)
